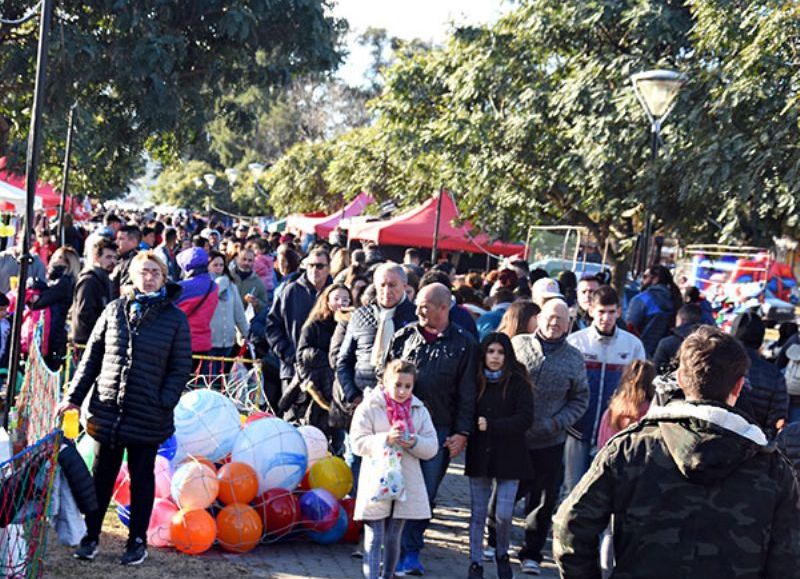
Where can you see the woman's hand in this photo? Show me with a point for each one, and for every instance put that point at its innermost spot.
(482, 424)
(64, 406)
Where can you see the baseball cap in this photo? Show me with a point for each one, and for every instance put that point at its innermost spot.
(546, 288)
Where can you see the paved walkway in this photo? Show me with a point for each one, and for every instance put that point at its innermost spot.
(445, 556)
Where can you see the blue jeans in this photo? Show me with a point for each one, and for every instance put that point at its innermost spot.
(577, 460)
(482, 490)
(353, 461)
(433, 472)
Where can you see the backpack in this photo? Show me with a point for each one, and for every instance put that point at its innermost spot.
(792, 372)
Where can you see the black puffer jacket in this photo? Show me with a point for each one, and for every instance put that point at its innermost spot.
(138, 372)
(767, 394)
(57, 296)
(788, 441)
(446, 370)
(354, 370)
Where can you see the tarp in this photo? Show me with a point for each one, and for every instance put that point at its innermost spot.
(415, 229)
(44, 191)
(321, 226)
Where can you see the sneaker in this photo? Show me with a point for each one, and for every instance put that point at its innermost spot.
(504, 570)
(87, 550)
(135, 553)
(489, 553)
(400, 568)
(531, 567)
(412, 565)
(475, 571)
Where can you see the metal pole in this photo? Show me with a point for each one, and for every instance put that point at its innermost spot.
(436, 227)
(31, 162)
(655, 130)
(65, 176)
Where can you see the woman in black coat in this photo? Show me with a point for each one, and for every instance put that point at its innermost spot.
(312, 386)
(136, 364)
(497, 456)
(56, 294)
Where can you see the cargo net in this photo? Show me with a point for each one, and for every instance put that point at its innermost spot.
(38, 398)
(240, 379)
(26, 482)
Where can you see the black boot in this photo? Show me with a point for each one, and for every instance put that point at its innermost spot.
(504, 570)
(475, 571)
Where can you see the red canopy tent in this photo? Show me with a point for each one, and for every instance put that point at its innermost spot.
(415, 229)
(44, 191)
(323, 225)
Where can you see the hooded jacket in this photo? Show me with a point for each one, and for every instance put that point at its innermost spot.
(695, 492)
(666, 353)
(136, 373)
(199, 296)
(92, 294)
(228, 315)
(651, 314)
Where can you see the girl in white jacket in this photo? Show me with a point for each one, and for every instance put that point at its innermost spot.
(390, 419)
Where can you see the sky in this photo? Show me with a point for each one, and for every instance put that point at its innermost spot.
(428, 20)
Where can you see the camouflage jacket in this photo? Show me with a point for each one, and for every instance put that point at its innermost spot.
(692, 491)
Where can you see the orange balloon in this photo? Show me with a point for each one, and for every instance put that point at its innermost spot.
(192, 532)
(238, 483)
(239, 528)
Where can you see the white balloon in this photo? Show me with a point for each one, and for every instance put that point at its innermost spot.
(276, 450)
(206, 425)
(316, 443)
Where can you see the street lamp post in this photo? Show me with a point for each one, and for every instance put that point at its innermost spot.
(656, 91)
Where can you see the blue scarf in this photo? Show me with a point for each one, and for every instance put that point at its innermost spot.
(550, 346)
(142, 301)
(492, 376)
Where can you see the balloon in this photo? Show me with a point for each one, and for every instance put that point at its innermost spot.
(192, 532)
(239, 528)
(168, 448)
(200, 460)
(206, 424)
(122, 486)
(304, 486)
(194, 486)
(335, 534)
(257, 415)
(86, 449)
(316, 443)
(238, 483)
(163, 473)
(353, 534)
(124, 514)
(280, 512)
(333, 475)
(158, 533)
(320, 510)
(275, 450)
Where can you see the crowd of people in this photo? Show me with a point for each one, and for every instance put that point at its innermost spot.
(655, 431)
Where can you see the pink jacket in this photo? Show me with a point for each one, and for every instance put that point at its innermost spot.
(263, 267)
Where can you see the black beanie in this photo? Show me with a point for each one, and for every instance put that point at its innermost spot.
(749, 329)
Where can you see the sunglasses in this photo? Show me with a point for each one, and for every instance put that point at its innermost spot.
(318, 265)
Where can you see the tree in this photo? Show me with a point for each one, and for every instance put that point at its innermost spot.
(149, 75)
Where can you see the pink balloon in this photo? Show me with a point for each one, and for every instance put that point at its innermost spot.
(163, 474)
(158, 534)
(122, 486)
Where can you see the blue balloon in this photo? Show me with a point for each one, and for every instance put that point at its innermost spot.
(168, 448)
(124, 514)
(335, 534)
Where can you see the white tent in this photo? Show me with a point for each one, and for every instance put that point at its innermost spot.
(16, 197)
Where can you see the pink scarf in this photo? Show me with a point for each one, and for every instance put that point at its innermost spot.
(399, 413)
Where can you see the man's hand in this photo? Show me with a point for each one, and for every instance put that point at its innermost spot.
(456, 444)
(66, 405)
(251, 299)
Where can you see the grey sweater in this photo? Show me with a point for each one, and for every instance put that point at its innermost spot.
(560, 389)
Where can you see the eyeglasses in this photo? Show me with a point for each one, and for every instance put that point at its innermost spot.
(318, 265)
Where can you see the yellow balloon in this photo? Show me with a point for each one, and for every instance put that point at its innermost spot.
(331, 474)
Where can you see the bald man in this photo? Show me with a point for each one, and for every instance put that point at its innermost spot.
(560, 397)
(446, 357)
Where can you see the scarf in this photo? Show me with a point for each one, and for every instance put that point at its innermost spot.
(243, 275)
(141, 301)
(383, 337)
(399, 413)
(492, 376)
(550, 346)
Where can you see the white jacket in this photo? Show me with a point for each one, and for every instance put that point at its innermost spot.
(228, 316)
(368, 437)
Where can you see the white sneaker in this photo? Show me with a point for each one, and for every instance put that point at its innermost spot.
(489, 553)
(531, 567)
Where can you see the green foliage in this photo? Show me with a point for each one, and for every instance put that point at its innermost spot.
(149, 74)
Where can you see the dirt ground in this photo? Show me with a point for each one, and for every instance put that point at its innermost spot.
(161, 563)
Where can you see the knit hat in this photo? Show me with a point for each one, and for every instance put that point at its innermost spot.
(749, 329)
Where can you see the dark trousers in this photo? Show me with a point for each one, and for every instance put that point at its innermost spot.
(541, 496)
(107, 462)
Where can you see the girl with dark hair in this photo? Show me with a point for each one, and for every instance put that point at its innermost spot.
(520, 318)
(310, 394)
(497, 455)
(229, 315)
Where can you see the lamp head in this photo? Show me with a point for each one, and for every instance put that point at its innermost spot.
(657, 90)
